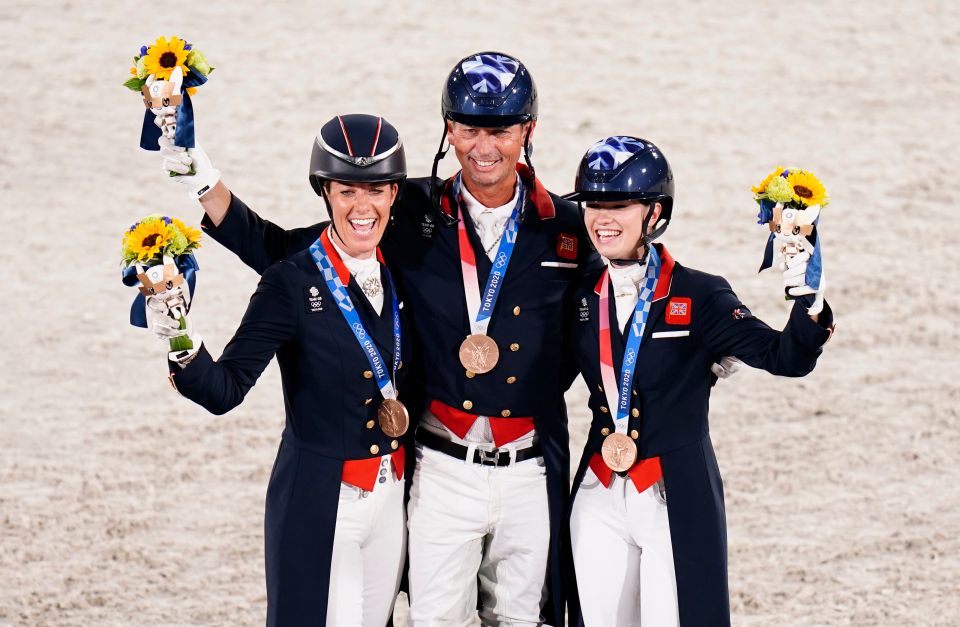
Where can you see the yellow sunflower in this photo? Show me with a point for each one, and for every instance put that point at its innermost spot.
(165, 55)
(807, 189)
(193, 235)
(763, 186)
(147, 239)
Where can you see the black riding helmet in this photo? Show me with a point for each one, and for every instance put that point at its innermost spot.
(357, 148)
(622, 167)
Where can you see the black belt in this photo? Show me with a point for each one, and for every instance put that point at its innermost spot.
(496, 457)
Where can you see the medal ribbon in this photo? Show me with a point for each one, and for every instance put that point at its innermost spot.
(621, 398)
(326, 258)
(468, 264)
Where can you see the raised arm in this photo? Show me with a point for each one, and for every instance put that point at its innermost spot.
(259, 243)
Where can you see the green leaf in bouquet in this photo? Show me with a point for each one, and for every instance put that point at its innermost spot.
(193, 170)
(134, 83)
(181, 342)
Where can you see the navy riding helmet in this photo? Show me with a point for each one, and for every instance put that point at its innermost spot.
(622, 167)
(489, 90)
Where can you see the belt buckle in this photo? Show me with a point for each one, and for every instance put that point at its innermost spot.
(489, 458)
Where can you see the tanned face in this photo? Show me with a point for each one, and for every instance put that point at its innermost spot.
(488, 157)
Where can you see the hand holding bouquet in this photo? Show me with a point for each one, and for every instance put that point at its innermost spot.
(157, 254)
(790, 202)
(167, 75)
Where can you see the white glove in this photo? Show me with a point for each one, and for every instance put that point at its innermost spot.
(163, 318)
(177, 164)
(795, 280)
(726, 367)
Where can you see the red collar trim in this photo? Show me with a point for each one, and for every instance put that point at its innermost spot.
(666, 273)
(663, 283)
(601, 282)
(538, 194)
(446, 195)
(335, 259)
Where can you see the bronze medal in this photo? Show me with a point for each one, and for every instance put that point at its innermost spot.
(619, 452)
(393, 417)
(479, 353)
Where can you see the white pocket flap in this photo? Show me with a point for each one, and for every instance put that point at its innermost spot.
(660, 334)
(558, 264)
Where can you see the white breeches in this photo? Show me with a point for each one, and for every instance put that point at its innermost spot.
(622, 555)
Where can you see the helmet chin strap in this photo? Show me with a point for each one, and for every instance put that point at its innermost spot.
(641, 260)
(437, 190)
(527, 154)
(326, 201)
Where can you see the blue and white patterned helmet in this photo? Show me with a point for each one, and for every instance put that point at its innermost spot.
(623, 167)
(489, 89)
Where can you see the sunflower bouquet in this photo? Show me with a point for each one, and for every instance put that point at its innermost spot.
(790, 201)
(157, 256)
(167, 74)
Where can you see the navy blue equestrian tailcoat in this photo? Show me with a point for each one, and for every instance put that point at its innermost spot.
(530, 322)
(694, 321)
(331, 401)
